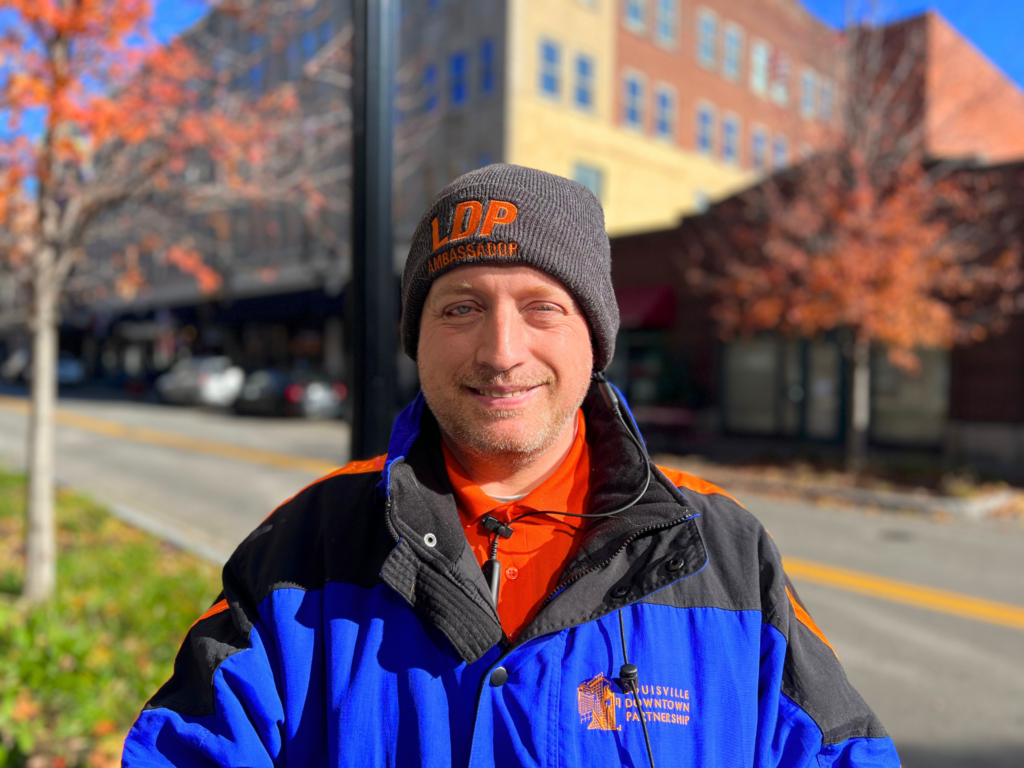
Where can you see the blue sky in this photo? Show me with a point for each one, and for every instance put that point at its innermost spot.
(172, 16)
(994, 26)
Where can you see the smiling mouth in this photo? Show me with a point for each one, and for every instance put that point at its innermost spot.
(497, 394)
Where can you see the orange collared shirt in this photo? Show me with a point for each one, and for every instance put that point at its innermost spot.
(541, 546)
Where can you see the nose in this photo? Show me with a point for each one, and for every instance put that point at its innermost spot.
(503, 342)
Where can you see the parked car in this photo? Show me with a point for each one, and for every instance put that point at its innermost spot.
(220, 388)
(308, 394)
(14, 367)
(70, 370)
(181, 384)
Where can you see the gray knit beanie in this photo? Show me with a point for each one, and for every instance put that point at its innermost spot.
(507, 214)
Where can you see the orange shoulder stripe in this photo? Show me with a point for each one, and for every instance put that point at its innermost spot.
(682, 479)
(375, 464)
(219, 607)
(805, 618)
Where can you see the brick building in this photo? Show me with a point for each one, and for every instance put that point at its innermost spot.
(966, 402)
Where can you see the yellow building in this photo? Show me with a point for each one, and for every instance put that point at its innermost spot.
(657, 112)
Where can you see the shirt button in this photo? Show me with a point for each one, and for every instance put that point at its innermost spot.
(498, 677)
(511, 573)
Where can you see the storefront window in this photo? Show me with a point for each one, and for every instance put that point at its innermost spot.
(750, 386)
(909, 408)
(824, 391)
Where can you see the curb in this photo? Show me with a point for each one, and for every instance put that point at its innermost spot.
(975, 508)
(169, 534)
(971, 509)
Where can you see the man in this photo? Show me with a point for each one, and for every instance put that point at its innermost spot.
(514, 583)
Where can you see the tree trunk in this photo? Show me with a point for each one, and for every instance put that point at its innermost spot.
(41, 533)
(859, 406)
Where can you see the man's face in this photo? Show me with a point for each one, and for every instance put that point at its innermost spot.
(504, 359)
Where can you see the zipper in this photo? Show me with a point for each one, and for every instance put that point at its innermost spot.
(636, 534)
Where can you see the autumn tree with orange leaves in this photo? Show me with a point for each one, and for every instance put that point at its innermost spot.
(101, 118)
(872, 240)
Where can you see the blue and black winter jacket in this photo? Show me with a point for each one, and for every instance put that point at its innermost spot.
(345, 639)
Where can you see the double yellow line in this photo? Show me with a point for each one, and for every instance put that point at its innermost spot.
(185, 443)
(879, 587)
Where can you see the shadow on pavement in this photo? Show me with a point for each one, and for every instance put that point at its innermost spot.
(945, 756)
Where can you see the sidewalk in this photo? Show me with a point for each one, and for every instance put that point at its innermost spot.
(962, 497)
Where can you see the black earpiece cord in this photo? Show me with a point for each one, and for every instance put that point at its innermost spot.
(492, 568)
(629, 676)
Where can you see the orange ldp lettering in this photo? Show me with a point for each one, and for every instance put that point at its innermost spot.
(463, 225)
(467, 219)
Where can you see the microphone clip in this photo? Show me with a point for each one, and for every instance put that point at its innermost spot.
(494, 525)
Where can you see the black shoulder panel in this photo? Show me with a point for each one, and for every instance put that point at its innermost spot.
(332, 531)
(731, 579)
(812, 675)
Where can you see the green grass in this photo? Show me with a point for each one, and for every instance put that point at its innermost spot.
(75, 673)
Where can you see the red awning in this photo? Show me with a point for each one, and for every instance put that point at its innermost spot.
(646, 307)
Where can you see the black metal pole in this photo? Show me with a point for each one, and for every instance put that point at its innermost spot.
(374, 307)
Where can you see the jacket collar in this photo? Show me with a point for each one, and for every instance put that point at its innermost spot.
(433, 567)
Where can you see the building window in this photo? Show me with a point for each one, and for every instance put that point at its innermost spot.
(705, 129)
(759, 150)
(309, 44)
(732, 54)
(257, 77)
(636, 15)
(707, 38)
(778, 74)
(633, 101)
(258, 72)
(665, 17)
(293, 58)
(731, 139)
(457, 89)
(486, 67)
(590, 177)
(825, 105)
(780, 153)
(326, 31)
(550, 68)
(664, 112)
(808, 91)
(759, 55)
(584, 82)
(430, 88)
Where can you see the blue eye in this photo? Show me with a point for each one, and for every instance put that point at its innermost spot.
(458, 310)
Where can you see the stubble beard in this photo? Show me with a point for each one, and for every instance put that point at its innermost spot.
(464, 426)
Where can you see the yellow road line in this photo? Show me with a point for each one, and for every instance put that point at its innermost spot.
(893, 590)
(120, 431)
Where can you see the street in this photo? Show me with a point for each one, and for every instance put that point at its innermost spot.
(948, 686)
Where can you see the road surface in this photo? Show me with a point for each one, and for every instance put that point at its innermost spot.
(895, 594)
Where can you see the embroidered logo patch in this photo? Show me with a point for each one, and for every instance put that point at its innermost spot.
(469, 220)
(597, 704)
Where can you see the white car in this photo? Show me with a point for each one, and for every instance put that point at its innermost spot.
(220, 388)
